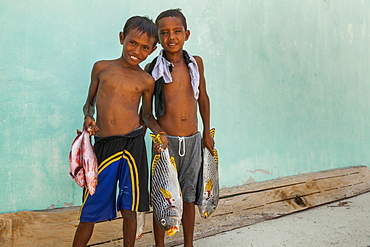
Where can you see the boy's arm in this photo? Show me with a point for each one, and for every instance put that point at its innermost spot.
(142, 123)
(89, 107)
(204, 107)
(147, 114)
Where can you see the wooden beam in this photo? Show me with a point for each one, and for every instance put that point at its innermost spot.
(239, 206)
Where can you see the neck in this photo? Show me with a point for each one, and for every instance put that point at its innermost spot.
(125, 64)
(175, 57)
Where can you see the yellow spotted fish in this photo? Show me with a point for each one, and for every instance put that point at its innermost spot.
(209, 182)
(165, 191)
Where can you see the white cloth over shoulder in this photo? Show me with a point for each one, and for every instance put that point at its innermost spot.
(162, 69)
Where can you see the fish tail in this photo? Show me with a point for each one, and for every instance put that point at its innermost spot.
(173, 162)
(156, 138)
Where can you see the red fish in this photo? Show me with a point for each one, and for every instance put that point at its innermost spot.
(83, 163)
(90, 163)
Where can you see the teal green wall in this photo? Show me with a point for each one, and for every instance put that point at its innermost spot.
(288, 81)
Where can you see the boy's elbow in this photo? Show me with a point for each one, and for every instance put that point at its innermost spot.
(203, 98)
(146, 116)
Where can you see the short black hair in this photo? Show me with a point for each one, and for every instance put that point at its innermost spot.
(143, 24)
(173, 13)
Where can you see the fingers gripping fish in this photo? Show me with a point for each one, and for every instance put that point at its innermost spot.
(166, 196)
(83, 162)
(209, 182)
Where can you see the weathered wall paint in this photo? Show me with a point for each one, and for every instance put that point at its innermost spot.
(288, 81)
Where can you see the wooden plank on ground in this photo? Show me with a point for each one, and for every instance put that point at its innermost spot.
(239, 206)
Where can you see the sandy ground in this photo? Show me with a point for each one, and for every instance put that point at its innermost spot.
(344, 223)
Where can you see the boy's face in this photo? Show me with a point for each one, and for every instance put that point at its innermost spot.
(172, 34)
(136, 46)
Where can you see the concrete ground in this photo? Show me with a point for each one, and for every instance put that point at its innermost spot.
(343, 223)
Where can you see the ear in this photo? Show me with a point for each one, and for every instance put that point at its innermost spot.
(187, 34)
(121, 37)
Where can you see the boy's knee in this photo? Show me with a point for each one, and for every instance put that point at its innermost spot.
(128, 215)
(188, 204)
(86, 224)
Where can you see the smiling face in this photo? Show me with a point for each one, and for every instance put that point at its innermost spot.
(137, 46)
(172, 34)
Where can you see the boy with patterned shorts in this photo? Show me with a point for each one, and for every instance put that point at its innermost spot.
(180, 88)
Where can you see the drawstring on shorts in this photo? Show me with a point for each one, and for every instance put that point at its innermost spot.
(181, 143)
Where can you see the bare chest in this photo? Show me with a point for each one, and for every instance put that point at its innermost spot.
(180, 81)
(120, 83)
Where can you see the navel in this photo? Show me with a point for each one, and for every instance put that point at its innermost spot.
(183, 118)
(112, 121)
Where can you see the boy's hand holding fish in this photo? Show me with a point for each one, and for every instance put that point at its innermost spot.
(90, 125)
(208, 141)
(162, 145)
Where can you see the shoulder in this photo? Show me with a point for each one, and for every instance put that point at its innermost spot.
(199, 63)
(100, 65)
(146, 68)
(144, 75)
(198, 59)
(147, 77)
(148, 80)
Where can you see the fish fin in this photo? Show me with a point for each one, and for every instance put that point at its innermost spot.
(156, 138)
(173, 162)
(140, 219)
(154, 163)
(156, 159)
(208, 185)
(213, 133)
(215, 156)
(165, 193)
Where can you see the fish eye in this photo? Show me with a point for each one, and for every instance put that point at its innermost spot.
(163, 222)
(214, 207)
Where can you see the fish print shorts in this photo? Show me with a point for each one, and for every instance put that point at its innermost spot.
(121, 159)
(188, 158)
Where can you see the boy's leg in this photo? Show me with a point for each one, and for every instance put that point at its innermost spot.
(129, 227)
(188, 221)
(158, 234)
(188, 170)
(83, 234)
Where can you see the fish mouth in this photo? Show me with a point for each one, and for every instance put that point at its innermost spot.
(76, 171)
(205, 215)
(172, 231)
